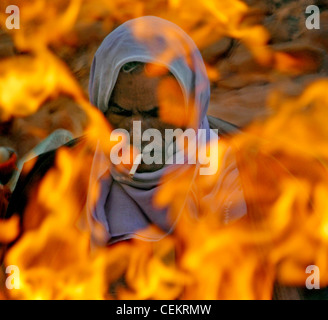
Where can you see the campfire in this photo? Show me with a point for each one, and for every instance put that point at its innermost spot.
(282, 158)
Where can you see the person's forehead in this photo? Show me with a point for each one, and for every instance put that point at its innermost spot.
(138, 88)
(136, 80)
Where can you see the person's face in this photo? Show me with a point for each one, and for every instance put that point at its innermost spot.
(136, 98)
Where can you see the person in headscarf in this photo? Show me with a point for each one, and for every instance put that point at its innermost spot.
(126, 85)
(127, 78)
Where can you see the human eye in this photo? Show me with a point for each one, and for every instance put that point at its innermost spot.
(152, 113)
(116, 109)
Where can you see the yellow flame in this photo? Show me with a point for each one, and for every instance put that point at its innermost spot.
(282, 163)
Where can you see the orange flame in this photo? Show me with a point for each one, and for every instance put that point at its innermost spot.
(282, 163)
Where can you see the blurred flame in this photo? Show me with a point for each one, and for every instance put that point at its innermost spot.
(282, 163)
(9, 229)
(41, 22)
(23, 73)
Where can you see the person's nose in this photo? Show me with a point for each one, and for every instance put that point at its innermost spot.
(135, 126)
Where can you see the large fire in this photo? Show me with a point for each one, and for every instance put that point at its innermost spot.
(282, 161)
